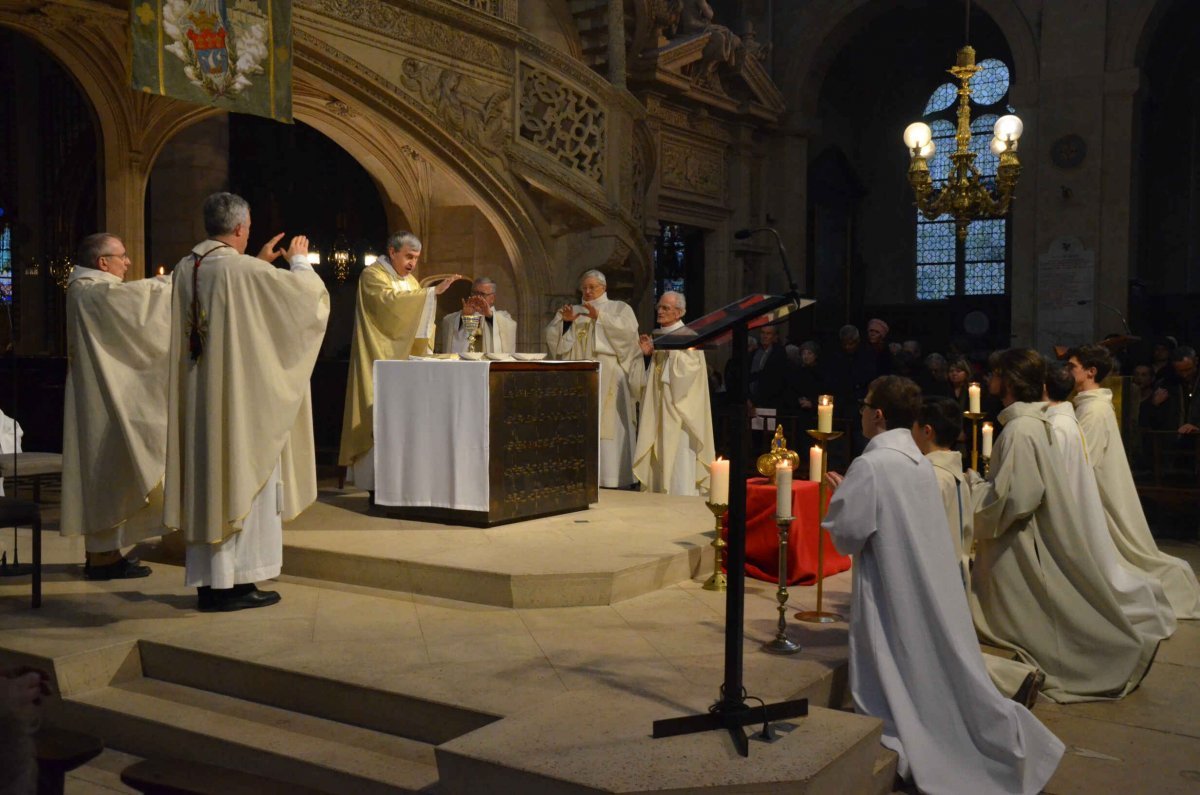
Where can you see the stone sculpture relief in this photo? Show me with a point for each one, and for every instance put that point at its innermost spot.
(690, 169)
(466, 107)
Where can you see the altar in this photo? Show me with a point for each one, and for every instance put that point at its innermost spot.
(485, 442)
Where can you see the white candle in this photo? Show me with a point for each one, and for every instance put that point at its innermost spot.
(719, 492)
(814, 463)
(783, 489)
(973, 395)
(987, 440)
(825, 414)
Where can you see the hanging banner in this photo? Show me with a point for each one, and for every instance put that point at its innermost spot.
(229, 54)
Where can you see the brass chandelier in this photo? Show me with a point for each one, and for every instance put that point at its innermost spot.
(965, 196)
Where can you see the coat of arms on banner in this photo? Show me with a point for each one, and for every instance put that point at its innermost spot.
(233, 54)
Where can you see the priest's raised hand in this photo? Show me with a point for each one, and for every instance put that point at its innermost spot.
(297, 247)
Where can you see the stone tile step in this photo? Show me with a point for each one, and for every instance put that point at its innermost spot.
(884, 774)
(591, 742)
(399, 714)
(157, 719)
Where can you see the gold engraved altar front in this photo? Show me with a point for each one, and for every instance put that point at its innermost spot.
(544, 447)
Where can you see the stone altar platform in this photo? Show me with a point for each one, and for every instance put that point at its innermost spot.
(349, 688)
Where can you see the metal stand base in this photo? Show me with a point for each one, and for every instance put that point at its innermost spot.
(818, 617)
(716, 582)
(732, 716)
(781, 646)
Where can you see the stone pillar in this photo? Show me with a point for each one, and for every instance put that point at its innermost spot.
(1116, 214)
(616, 43)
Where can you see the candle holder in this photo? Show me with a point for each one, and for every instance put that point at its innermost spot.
(820, 616)
(987, 466)
(782, 644)
(717, 581)
(975, 417)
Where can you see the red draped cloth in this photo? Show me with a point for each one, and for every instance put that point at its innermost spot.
(762, 535)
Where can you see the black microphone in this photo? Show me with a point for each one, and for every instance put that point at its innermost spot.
(742, 234)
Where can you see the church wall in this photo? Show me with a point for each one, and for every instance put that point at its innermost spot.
(192, 165)
(1077, 71)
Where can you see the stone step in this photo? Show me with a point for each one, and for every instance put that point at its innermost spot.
(884, 775)
(389, 712)
(593, 742)
(157, 719)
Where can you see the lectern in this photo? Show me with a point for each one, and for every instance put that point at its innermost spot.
(732, 324)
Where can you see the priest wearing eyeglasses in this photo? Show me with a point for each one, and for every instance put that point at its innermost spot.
(496, 330)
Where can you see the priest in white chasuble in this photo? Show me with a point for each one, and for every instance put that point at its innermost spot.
(394, 319)
(1037, 587)
(1126, 519)
(915, 662)
(240, 459)
(675, 433)
(1141, 596)
(604, 330)
(115, 411)
(497, 331)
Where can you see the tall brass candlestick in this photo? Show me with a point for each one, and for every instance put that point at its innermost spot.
(820, 616)
(782, 644)
(974, 417)
(717, 581)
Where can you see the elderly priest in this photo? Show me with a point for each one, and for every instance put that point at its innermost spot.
(496, 332)
(244, 339)
(914, 659)
(393, 320)
(605, 330)
(675, 434)
(115, 416)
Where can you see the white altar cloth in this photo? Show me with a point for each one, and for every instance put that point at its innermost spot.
(432, 434)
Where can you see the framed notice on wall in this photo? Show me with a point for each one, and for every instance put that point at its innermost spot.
(1066, 288)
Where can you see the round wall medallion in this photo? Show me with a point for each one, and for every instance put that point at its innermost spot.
(1068, 151)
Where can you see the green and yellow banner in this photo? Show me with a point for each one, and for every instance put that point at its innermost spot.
(230, 54)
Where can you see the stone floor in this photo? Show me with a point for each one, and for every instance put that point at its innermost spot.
(664, 645)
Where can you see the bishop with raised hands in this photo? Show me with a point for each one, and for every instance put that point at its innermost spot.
(394, 319)
(240, 458)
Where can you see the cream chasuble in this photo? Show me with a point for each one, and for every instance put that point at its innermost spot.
(498, 336)
(241, 410)
(393, 320)
(914, 660)
(1006, 674)
(115, 415)
(613, 341)
(1140, 596)
(675, 432)
(1126, 520)
(1037, 588)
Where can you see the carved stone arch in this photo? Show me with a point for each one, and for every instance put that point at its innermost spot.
(826, 26)
(387, 107)
(1135, 31)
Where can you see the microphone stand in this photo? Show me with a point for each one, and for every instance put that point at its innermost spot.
(14, 569)
(743, 234)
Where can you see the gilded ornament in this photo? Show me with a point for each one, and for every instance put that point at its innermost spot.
(778, 452)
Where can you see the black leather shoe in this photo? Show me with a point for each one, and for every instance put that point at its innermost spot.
(1027, 694)
(123, 569)
(227, 600)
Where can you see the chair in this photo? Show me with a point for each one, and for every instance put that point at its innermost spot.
(16, 513)
(32, 466)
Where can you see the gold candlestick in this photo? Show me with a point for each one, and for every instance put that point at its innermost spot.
(974, 417)
(717, 581)
(782, 644)
(820, 616)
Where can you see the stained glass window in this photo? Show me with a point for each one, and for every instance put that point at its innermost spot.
(945, 266)
(6, 276)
